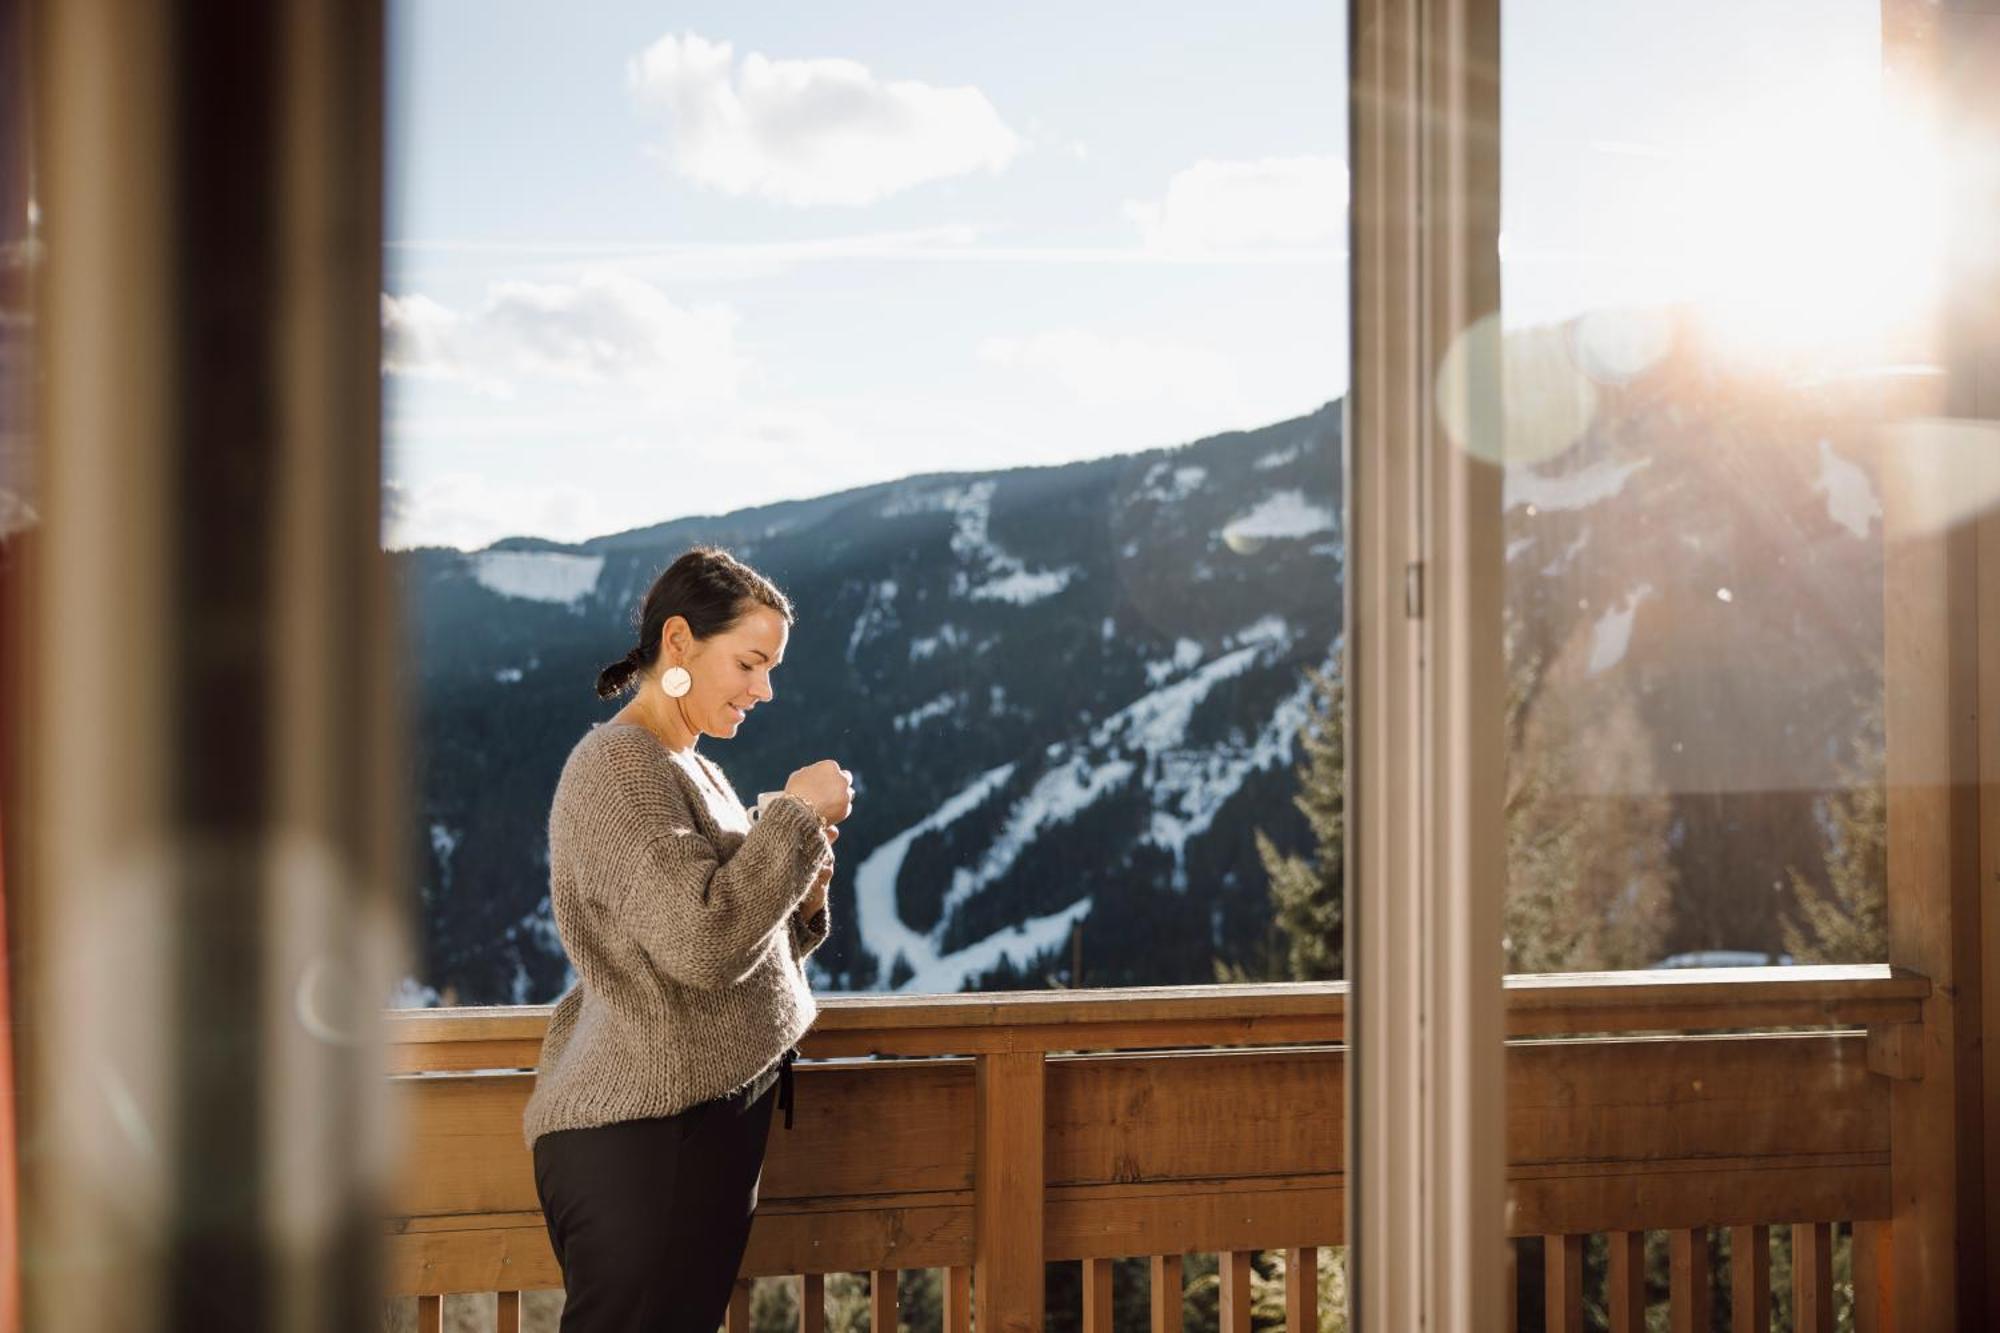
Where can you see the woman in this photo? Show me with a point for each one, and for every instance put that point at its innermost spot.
(688, 926)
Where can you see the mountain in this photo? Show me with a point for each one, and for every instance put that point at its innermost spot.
(1071, 695)
(1067, 694)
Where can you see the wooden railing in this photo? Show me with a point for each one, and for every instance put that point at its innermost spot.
(1014, 1130)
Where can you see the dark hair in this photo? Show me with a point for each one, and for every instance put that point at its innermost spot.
(707, 586)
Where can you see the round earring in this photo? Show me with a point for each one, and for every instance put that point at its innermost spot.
(676, 681)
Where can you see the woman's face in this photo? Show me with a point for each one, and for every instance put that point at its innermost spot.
(732, 671)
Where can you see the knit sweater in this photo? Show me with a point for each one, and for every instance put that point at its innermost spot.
(680, 917)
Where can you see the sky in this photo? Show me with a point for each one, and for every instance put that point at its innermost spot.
(652, 260)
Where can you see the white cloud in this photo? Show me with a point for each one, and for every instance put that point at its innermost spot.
(1111, 371)
(1273, 202)
(471, 511)
(808, 132)
(605, 327)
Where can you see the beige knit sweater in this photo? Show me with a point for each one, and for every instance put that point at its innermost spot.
(680, 918)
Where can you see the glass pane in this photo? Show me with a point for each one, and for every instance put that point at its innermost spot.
(1009, 344)
(1718, 231)
(1722, 253)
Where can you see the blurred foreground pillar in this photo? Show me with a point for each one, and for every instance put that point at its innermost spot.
(211, 805)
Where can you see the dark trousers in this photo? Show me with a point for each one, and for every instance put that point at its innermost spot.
(649, 1218)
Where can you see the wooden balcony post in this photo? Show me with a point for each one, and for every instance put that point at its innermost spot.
(1941, 680)
(215, 844)
(1942, 603)
(1008, 1248)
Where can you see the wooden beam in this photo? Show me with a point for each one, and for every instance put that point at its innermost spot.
(500, 1037)
(1008, 1198)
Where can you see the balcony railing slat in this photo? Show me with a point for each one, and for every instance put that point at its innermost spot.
(1689, 1295)
(1812, 1277)
(1562, 1283)
(882, 1300)
(430, 1314)
(1232, 1272)
(812, 1303)
(958, 1300)
(1166, 1293)
(1871, 1269)
(1625, 1288)
(1097, 1296)
(1750, 1279)
(1302, 1289)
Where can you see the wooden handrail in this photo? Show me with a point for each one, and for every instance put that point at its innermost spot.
(1276, 1014)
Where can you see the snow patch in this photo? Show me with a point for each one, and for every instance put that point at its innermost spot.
(949, 636)
(1612, 634)
(1165, 483)
(923, 713)
(508, 675)
(882, 930)
(1850, 497)
(413, 994)
(1569, 553)
(1574, 490)
(1187, 654)
(1200, 783)
(1277, 458)
(1057, 797)
(878, 612)
(1005, 577)
(1023, 588)
(1019, 945)
(1285, 514)
(538, 576)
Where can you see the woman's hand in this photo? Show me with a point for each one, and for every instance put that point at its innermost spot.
(826, 787)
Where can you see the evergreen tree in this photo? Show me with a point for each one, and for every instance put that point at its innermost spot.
(1308, 892)
(1589, 877)
(1845, 920)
